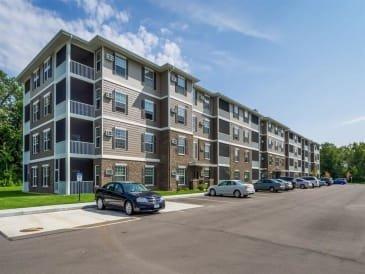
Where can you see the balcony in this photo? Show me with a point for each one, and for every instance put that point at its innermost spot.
(78, 147)
(82, 70)
(81, 135)
(80, 108)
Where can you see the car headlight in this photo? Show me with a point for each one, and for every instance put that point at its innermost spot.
(162, 199)
(142, 200)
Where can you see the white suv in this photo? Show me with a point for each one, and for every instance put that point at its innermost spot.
(313, 180)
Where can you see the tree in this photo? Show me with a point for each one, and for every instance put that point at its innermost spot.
(11, 113)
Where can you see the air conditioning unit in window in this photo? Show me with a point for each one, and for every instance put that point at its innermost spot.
(174, 142)
(200, 124)
(173, 111)
(173, 173)
(108, 95)
(108, 133)
(109, 57)
(173, 78)
(109, 172)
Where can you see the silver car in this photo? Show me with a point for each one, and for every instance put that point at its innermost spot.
(288, 185)
(301, 183)
(313, 180)
(234, 188)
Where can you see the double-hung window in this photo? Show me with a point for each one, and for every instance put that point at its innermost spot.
(207, 151)
(206, 126)
(149, 110)
(149, 175)
(180, 173)
(180, 85)
(236, 133)
(236, 154)
(35, 143)
(98, 98)
(195, 123)
(149, 142)
(35, 111)
(246, 116)
(206, 104)
(236, 112)
(46, 104)
(148, 77)
(120, 66)
(237, 175)
(120, 172)
(36, 79)
(181, 145)
(120, 138)
(181, 115)
(47, 69)
(45, 175)
(34, 176)
(98, 60)
(120, 101)
(247, 156)
(246, 176)
(97, 137)
(46, 139)
(196, 150)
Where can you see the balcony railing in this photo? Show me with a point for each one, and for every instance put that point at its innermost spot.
(78, 147)
(84, 186)
(82, 108)
(82, 70)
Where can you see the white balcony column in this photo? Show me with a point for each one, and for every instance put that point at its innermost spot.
(68, 96)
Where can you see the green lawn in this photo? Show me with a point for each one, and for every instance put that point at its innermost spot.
(13, 197)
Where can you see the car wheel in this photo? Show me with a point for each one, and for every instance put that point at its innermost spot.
(128, 208)
(212, 192)
(100, 203)
(302, 186)
(272, 189)
(237, 194)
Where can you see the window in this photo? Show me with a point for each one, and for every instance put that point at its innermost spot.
(61, 91)
(35, 143)
(247, 156)
(27, 113)
(236, 112)
(98, 60)
(149, 110)
(120, 66)
(120, 138)
(270, 143)
(181, 115)
(47, 104)
(271, 160)
(236, 154)
(276, 162)
(148, 77)
(46, 139)
(255, 119)
(98, 98)
(36, 114)
(194, 123)
(206, 103)
(47, 69)
(224, 105)
(120, 102)
(181, 85)
(236, 133)
(149, 142)
(34, 176)
(181, 145)
(196, 150)
(224, 127)
(245, 116)
(61, 56)
(97, 137)
(26, 142)
(246, 136)
(206, 126)
(236, 175)
(45, 175)
(205, 173)
(149, 175)
(207, 151)
(246, 176)
(27, 86)
(120, 173)
(180, 173)
(224, 150)
(36, 79)
(254, 137)
(97, 175)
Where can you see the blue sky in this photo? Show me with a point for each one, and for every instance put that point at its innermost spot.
(301, 62)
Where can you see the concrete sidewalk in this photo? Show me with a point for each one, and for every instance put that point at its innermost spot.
(66, 207)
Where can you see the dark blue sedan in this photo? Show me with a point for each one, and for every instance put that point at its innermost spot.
(340, 181)
(130, 196)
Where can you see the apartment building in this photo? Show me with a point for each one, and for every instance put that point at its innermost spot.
(314, 159)
(306, 156)
(95, 108)
(293, 153)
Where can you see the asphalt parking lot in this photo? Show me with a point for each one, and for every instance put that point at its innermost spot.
(301, 231)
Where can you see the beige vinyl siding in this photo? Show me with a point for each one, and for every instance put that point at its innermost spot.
(134, 140)
(173, 105)
(134, 101)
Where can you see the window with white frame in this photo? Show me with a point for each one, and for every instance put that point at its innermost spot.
(97, 175)
(35, 143)
(246, 176)
(247, 156)
(46, 139)
(149, 142)
(47, 69)
(246, 118)
(120, 101)
(47, 104)
(149, 110)
(120, 138)
(236, 175)
(236, 154)
(180, 85)
(207, 151)
(35, 111)
(36, 79)
(56, 170)
(206, 126)
(148, 77)
(181, 145)
(34, 176)
(206, 103)
(149, 175)
(98, 60)
(97, 137)
(120, 173)
(196, 150)
(181, 115)
(236, 112)
(194, 123)
(236, 133)
(246, 136)
(205, 173)
(120, 65)
(270, 143)
(98, 98)
(180, 172)
(45, 175)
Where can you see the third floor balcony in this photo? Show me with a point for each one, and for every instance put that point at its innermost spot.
(82, 63)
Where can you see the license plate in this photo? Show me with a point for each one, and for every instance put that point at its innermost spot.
(156, 206)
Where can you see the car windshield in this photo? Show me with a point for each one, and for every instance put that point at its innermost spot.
(134, 187)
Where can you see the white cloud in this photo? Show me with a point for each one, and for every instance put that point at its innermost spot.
(216, 16)
(26, 28)
(356, 120)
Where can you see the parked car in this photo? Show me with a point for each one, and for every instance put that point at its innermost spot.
(301, 183)
(340, 181)
(288, 179)
(269, 184)
(329, 181)
(130, 196)
(313, 180)
(288, 185)
(235, 188)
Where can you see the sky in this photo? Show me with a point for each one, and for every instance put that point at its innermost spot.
(299, 62)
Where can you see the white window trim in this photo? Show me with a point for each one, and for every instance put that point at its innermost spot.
(44, 139)
(125, 170)
(183, 108)
(97, 60)
(34, 145)
(45, 167)
(34, 182)
(115, 64)
(98, 98)
(178, 151)
(115, 100)
(47, 66)
(48, 94)
(153, 109)
(206, 122)
(182, 168)
(115, 138)
(236, 155)
(153, 143)
(153, 175)
(209, 150)
(196, 150)
(98, 127)
(35, 106)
